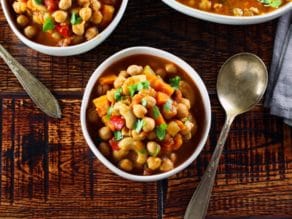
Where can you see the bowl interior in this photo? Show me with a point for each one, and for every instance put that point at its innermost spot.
(206, 118)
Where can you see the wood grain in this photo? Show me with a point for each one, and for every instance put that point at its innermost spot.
(47, 170)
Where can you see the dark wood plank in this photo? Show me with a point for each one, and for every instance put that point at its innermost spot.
(48, 170)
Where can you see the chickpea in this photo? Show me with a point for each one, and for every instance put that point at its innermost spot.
(171, 68)
(153, 163)
(182, 111)
(60, 16)
(91, 33)
(169, 113)
(178, 141)
(85, 13)
(186, 102)
(22, 20)
(126, 132)
(205, 4)
(188, 136)
(173, 128)
(153, 148)
(161, 72)
(166, 165)
(92, 115)
(110, 94)
(123, 73)
(19, 7)
(96, 17)
(151, 135)
(78, 29)
(102, 89)
(134, 69)
(105, 133)
(105, 149)
(237, 12)
(95, 5)
(150, 101)
(65, 4)
(119, 81)
(173, 157)
(149, 124)
(56, 35)
(83, 2)
(30, 31)
(139, 111)
(126, 165)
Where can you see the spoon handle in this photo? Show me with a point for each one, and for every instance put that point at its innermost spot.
(40, 94)
(198, 205)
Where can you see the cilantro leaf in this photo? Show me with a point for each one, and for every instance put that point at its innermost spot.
(174, 82)
(139, 125)
(75, 19)
(38, 2)
(109, 112)
(161, 131)
(138, 87)
(132, 89)
(118, 94)
(48, 24)
(167, 106)
(271, 3)
(156, 112)
(118, 135)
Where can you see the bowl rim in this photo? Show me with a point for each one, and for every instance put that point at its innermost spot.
(158, 53)
(68, 49)
(227, 19)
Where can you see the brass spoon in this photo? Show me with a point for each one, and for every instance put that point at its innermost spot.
(241, 83)
(40, 94)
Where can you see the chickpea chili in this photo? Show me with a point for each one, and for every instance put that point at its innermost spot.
(144, 122)
(64, 22)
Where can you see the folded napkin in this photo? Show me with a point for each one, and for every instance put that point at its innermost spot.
(279, 90)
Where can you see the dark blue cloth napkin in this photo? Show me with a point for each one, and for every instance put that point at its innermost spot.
(279, 90)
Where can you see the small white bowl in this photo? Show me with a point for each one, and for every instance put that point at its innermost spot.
(63, 51)
(167, 56)
(224, 19)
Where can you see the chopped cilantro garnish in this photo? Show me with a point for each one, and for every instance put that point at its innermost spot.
(167, 106)
(139, 125)
(48, 24)
(138, 87)
(118, 135)
(161, 131)
(174, 82)
(38, 2)
(272, 3)
(75, 19)
(143, 151)
(109, 112)
(118, 94)
(156, 112)
(144, 102)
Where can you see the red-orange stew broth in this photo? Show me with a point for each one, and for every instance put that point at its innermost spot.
(63, 22)
(145, 115)
(236, 7)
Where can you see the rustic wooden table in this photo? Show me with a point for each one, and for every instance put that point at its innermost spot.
(47, 170)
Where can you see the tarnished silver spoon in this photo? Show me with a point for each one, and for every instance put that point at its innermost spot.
(241, 83)
(38, 92)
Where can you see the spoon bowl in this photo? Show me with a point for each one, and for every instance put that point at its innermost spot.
(241, 83)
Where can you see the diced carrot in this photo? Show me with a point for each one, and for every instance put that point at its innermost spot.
(107, 79)
(161, 98)
(180, 124)
(150, 74)
(157, 116)
(101, 104)
(160, 120)
(137, 98)
(160, 85)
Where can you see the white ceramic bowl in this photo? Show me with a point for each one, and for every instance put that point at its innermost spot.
(167, 56)
(69, 50)
(224, 19)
